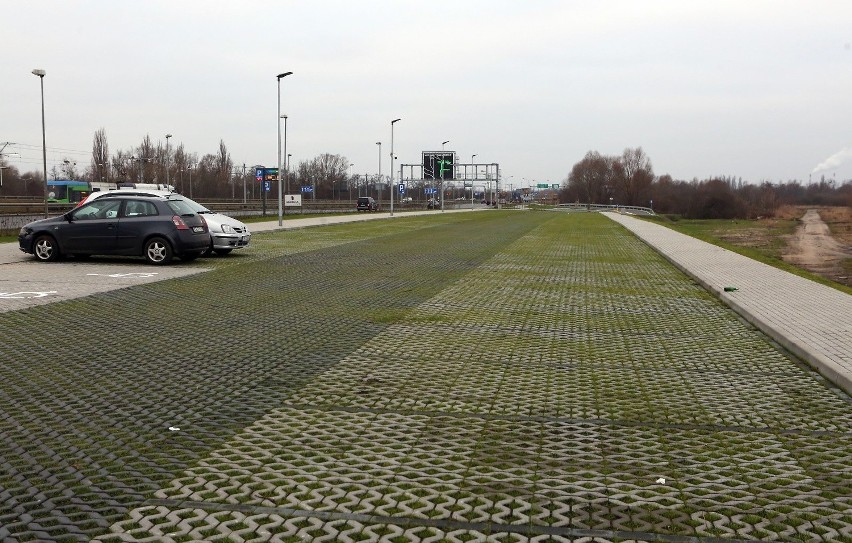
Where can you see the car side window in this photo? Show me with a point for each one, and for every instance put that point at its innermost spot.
(99, 209)
(109, 211)
(135, 208)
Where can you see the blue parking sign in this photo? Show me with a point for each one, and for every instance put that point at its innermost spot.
(267, 186)
(402, 188)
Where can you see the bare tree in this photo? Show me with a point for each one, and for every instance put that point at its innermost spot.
(123, 166)
(223, 166)
(100, 157)
(591, 179)
(181, 161)
(324, 172)
(634, 176)
(146, 154)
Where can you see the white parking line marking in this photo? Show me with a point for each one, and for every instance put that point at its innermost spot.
(134, 275)
(24, 294)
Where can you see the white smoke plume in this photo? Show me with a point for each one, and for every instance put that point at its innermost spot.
(835, 160)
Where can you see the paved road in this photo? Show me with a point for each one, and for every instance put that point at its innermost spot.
(811, 320)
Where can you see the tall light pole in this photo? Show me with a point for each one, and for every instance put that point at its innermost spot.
(379, 175)
(286, 179)
(40, 74)
(189, 167)
(472, 181)
(496, 185)
(442, 181)
(391, 166)
(280, 193)
(167, 160)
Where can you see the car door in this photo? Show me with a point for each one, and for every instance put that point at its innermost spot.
(137, 217)
(91, 228)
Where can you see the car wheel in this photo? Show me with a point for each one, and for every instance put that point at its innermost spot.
(158, 251)
(45, 249)
(222, 251)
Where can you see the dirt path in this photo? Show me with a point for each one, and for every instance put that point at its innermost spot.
(812, 247)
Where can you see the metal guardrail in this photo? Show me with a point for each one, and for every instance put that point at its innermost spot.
(636, 210)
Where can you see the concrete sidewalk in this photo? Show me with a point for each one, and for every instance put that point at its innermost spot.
(811, 320)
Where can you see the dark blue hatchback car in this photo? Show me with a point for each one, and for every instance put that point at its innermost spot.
(157, 228)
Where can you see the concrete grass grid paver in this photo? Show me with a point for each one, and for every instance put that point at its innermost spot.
(84, 417)
(812, 320)
(509, 407)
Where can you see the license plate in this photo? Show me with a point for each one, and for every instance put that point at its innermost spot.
(198, 229)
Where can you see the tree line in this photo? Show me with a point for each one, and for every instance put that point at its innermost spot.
(628, 179)
(211, 175)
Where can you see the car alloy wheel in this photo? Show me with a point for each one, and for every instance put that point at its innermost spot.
(45, 249)
(158, 251)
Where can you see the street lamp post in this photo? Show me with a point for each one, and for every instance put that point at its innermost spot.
(167, 160)
(40, 74)
(286, 178)
(379, 175)
(391, 167)
(189, 167)
(280, 193)
(474, 179)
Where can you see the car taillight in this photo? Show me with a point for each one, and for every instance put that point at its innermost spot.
(204, 222)
(179, 224)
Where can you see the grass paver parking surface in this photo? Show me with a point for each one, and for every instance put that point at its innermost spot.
(500, 376)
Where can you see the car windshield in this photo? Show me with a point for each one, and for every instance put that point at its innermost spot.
(196, 207)
(182, 206)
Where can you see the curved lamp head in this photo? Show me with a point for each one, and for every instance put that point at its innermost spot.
(39, 73)
(395, 120)
(285, 74)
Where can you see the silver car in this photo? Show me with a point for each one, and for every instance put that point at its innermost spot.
(226, 233)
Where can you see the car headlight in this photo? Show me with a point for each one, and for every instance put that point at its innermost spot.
(24, 231)
(226, 228)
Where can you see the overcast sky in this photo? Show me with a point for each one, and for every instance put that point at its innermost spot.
(755, 89)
